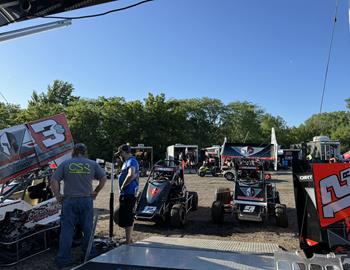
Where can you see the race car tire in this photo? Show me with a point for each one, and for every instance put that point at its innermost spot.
(217, 212)
(177, 216)
(194, 205)
(229, 176)
(201, 174)
(281, 215)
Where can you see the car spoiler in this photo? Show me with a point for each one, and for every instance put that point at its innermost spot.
(30, 146)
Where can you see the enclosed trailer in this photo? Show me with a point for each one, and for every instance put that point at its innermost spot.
(187, 153)
(144, 155)
(210, 156)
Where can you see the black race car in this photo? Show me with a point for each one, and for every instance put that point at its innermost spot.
(253, 199)
(165, 197)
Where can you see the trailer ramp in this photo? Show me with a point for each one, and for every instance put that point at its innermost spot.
(186, 253)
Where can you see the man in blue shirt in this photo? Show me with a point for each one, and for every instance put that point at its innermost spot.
(128, 186)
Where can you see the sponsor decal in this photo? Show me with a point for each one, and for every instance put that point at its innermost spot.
(305, 178)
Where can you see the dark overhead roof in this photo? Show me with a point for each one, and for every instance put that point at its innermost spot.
(20, 10)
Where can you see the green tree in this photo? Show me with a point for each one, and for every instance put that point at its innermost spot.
(241, 122)
(9, 115)
(203, 117)
(54, 101)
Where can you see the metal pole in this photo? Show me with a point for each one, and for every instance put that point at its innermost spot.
(91, 240)
(33, 30)
(111, 202)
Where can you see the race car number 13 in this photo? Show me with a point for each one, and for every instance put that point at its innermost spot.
(340, 200)
(53, 132)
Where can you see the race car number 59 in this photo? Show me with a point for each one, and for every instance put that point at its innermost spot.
(249, 209)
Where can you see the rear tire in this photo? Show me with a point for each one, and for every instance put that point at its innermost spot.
(217, 212)
(281, 215)
(229, 176)
(177, 216)
(194, 205)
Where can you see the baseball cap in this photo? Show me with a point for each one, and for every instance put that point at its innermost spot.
(79, 148)
(123, 148)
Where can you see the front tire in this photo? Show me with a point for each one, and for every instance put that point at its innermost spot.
(177, 216)
(281, 215)
(217, 212)
(229, 176)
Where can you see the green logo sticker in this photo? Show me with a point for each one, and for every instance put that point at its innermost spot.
(79, 168)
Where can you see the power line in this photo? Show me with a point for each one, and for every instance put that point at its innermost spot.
(329, 55)
(98, 14)
(4, 98)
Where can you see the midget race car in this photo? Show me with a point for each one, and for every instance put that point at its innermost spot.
(165, 197)
(254, 197)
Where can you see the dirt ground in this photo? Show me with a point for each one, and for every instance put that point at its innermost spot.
(199, 223)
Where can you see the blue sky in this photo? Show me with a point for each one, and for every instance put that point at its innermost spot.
(272, 53)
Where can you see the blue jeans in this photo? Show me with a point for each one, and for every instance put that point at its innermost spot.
(75, 211)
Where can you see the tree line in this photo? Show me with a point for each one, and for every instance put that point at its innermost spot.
(104, 123)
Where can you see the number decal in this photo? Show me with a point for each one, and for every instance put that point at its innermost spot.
(249, 209)
(335, 193)
(53, 132)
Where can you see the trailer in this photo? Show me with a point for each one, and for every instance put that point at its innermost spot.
(187, 153)
(144, 155)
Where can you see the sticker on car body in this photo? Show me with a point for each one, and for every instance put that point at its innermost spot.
(149, 209)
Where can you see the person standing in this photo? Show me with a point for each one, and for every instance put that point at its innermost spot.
(128, 186)
(77, 174)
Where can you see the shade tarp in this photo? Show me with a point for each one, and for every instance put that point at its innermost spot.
(250, 151)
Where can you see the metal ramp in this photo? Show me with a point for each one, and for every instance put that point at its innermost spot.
(160, 253)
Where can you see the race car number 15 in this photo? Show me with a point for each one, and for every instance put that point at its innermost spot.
(335, 193)
(53, 132)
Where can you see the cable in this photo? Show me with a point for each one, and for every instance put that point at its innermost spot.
(329, 55)
(96, 15)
